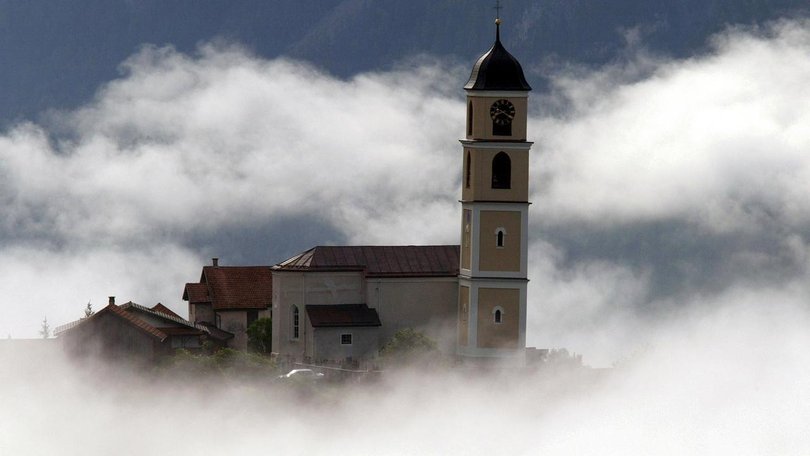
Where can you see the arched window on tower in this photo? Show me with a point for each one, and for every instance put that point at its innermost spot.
(295, 319)
(501, 171)
(500, 237)
(467, 170)
(497, 315)
(469, 118)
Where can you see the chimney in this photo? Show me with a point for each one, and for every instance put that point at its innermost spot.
(112, 300)
(215, 262)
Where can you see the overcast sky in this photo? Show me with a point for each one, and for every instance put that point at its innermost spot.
(661, 188)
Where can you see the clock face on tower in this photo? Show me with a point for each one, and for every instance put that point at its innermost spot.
(502, 112)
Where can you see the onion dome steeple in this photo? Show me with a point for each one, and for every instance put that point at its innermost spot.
(497, 69)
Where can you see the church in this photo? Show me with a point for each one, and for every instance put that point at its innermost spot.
(342, 303)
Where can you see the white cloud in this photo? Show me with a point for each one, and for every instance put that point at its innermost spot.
(184, 146)
(712, 140)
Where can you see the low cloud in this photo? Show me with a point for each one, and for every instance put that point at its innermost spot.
(718, 382)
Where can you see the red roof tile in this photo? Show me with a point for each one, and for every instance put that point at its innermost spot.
(196, 293)
(171, 319)
(380, 261)
(238, 287)
(129, 312)
(342, 315)
(160, 308)
(118, 312)
(134, 320)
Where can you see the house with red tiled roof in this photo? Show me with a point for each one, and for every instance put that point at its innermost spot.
(133, 333)
(230, 298)
(333, 303)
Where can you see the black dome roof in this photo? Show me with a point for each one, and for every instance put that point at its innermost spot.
(497, 70)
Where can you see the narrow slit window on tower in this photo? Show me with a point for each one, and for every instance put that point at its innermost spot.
(467, 170)
(501, 171)
(469, 118)
(500, 235)
(295, 321)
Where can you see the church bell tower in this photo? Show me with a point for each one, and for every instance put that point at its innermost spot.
(495, 209)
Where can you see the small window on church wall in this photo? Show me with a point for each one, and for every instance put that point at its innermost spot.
(469, 119)
(501, 171)
(295, 321)
(345, 339)
(467, 170)
(500, 235)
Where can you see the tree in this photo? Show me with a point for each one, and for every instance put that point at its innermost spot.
(88, 311)
(260, 336)
(407, 346)
(45, 332)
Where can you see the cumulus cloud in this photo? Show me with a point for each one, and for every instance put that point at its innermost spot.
(717, 140)
(186, 155)
(675, 187)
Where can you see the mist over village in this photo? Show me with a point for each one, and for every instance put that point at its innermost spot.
(515, 241)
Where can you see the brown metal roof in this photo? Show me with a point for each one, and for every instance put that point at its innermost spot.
(342, 315)
(238, 287)
(379, 261)
(196, 293)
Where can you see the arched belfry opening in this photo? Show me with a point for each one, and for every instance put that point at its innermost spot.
(501, 171)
